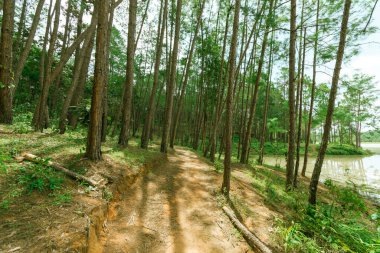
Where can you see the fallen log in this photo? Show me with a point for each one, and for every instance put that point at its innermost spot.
(58, 167)
(251, 239)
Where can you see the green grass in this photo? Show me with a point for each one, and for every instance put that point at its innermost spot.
(342, 222)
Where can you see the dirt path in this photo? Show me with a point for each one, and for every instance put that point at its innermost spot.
(173, 208)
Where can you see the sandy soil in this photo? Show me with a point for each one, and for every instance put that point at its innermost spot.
(173, 208)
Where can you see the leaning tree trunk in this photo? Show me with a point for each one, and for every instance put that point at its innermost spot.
(41, 109)
(229, 103)
(6, 73)
(252, 110)
(28, 45)
(93, 148)
(127, 96)
(330, 109)
(77, 73)
(172, 80)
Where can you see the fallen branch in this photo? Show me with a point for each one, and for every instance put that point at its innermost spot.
(251, 239)
(58, 167)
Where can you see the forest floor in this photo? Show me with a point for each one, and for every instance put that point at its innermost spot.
(173, 208)
(149, 202)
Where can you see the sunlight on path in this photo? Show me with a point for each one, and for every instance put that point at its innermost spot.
(173, 209)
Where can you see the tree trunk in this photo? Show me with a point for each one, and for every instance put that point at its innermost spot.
(172, 80)
(220, 94)
(330, 109)
(186, 78)
(93, 148)
(88, 43)
(252, 110)
(266, 107)
(229, 103)
(309, 124)
(150, 113)
(127, 96)
(18, 42)
(6, 73)
(300, 111)
(292, 109)
(40, 122)
(28, 45)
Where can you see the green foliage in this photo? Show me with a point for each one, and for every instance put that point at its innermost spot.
(219, 166)
(345, 149)
(107, 195)
(371, 136)
(22, 123)
(294, 240)
(339, 224)
(61, 198)
(38, 177)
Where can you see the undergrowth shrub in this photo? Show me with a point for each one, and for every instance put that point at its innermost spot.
(38, 177)
(22, 123)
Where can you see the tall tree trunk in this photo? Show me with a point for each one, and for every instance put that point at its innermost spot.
(229, 103)
(88, 43)
(172, 80)
(331, 105)
(43, 58)
(219, 95)
(150, 113)
(93, 148)
(66, 36)
(292, 109)
(41, 122)
(18, 43)
(252, 110)
(186, 78)
(127, 96)
(266, 106)
(299, 132)
(78, 94)
(6, 80)
(310, 120)
(28, 45)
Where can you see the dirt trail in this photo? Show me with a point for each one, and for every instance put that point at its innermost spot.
(173, 208)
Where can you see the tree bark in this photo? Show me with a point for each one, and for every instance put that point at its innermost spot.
(331, 105)
(220, 94)
(310, 120)
(150, 113)
(127, 96)
(6, 80)
(88, 43)
(172, 81)
(40, 122)
(292, 110)
(251, 239)
(300, 111)
(186, 78)
(252, 110)
(93, 148)
(229, 103)
(266, 106)
(28, 45)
